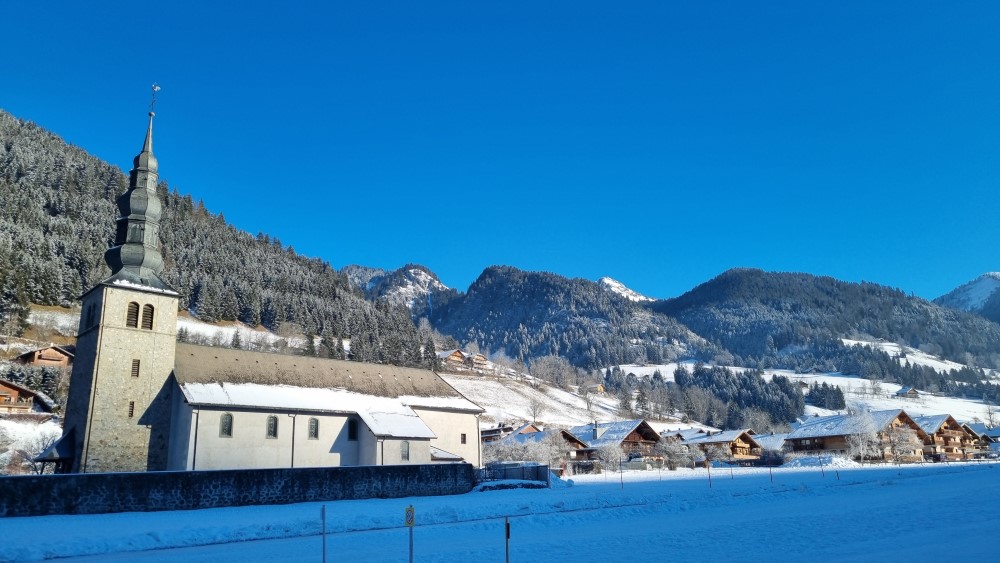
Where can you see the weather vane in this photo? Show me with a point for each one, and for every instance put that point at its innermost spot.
(152, 102)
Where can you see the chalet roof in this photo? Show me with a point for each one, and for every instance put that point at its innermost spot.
(932, 423)
(723, 437)
(773, 442)
(980, 429)
(534, 437)
(842, 424)
(41, 399)
(907, 391)
(67, 350)
(613, 432)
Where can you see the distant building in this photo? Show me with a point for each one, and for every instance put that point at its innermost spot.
(55, 356)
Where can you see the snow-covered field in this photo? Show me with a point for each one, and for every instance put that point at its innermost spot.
(507, 399)
(941, 512)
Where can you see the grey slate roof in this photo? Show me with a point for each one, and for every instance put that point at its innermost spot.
(772, 442)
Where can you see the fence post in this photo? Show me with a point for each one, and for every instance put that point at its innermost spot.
(506, 527)
(323, 513)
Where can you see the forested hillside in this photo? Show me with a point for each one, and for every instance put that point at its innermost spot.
(534, 314)
(57, 217)
(797, 321)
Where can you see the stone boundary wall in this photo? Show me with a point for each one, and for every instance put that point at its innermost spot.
(99, 493)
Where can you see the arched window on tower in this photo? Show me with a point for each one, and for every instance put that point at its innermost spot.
(147, 317)
(132, 317)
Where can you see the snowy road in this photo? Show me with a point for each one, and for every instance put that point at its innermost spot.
(918, 513)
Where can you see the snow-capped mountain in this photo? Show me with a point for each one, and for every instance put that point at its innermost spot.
(974, 295)
(618, 287)
(408, 286)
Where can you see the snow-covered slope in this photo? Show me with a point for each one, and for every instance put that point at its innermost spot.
(619, 288)
(973, 295)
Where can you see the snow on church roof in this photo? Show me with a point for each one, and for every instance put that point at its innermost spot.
(383, 415)
(382, 395)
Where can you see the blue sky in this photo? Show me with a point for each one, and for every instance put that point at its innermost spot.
(659, 143)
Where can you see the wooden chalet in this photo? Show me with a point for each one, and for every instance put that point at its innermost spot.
(831, 434)
(55, 356)
(477, 362)
(452, 359)
(575, 448)
(15, 399)
(908, 393)
(947, 440)
(632, 436)
(739, 443)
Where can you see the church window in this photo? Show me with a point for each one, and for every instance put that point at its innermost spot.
(272, 426)
(352, 430)
(135, 368)
(131, 409)
(463, 438)
(404, 450)
(226, 425)
(314, 429)
(132, 318)
(147, 317)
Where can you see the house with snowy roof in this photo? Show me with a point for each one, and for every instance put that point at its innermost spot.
(632, 436)
(946, 439)
(908, 393)
(832, 434)
(141, 401)
(574, 449)
(54, 356)
(739, 445)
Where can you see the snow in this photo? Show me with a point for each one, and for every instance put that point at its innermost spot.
(507, 399)
(126, 283)
(973, 295)
(29, 435)
(385, 416)
(841, 513)
(619, 288)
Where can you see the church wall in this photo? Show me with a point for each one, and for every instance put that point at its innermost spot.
(82, 376)
(449, 426)
(249, 446)
(116, 440)
(420, 451)
(181, 433)
(39, 495)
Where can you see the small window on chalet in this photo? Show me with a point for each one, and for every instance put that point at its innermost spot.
(352, 430)
(463, 438)
(147, 317)
(404, 450)
(314, 429)
(135, 368)
(132, 317)
(131, 409)
(226, 425)
(272, 426)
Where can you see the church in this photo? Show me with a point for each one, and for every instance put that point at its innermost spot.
(140, 401)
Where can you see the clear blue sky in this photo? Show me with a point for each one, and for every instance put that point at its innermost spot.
(659, 143)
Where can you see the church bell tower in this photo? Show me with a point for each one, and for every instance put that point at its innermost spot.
(118, 411)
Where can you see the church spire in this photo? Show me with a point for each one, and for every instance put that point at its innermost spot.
(135, 256)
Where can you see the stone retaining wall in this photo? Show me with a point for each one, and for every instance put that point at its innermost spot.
(98, 493)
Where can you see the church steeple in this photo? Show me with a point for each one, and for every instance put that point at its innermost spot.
(135, 256)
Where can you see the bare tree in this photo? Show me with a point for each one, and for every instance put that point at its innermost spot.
(863, 442)
(536, 408)
(992, 417)
(611, 455)
(903, 442)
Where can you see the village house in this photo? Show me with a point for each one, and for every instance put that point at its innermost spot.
(908, 393)
(946, 439)
(739, 445)
(141, 401)
(573, 449)
(631, 436)
(15, 399)
(54, 356)
(832, 434)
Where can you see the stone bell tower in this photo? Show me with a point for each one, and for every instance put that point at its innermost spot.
(118, 411)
